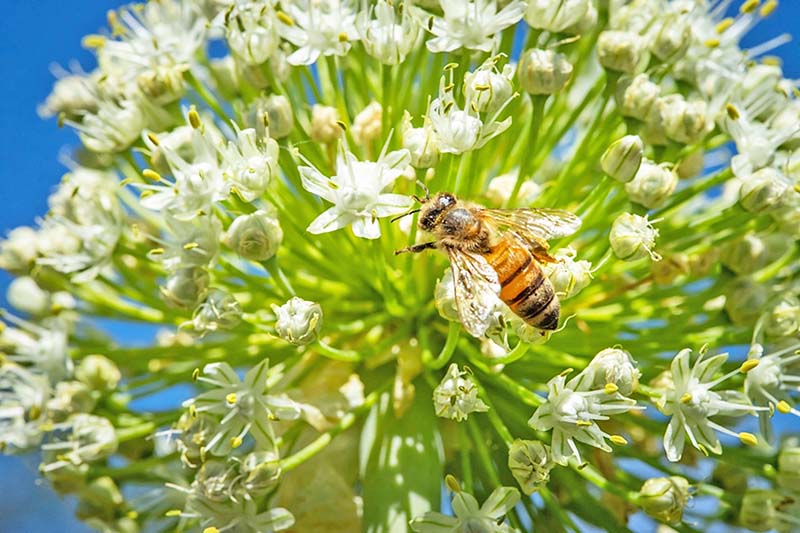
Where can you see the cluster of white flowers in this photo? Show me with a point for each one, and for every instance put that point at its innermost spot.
(238, 162)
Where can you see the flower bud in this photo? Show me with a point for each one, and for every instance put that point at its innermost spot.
(421, 143)
(783, 317)
(86, 438)
(70, 397)
(250, 33)
(744, 301)
(25, 295)
(789, 467)
(367, 125)
(226, 76)
(324, 124)
(683, 122)
(751, 252)
(98, 372)
(68, 479)
(543, 71)
(586, 23)
(620, 51)
(636, 96)
(488, 89)
(261, 470)
(633, 237)
(444, 297)
(623, 158)
(255, 236)
(185, 287)
(672, 37)
(73, 96)
(18, 251)
(664, 498)
(99, 499)
(652, 185)
(568, 276)
(272, 114)
(298, 321)
(555, 15)
(764, 190)
(730, 477)
(757, 512)
(671, 268)
(456, 396)
(530, 462)
(616, 366)
(500, 188)
(220, 310)
(692, 165)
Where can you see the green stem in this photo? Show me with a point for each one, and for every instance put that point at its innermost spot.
(538, 102)
(453, 335)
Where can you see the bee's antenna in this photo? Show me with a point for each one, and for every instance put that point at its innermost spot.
(405, 215)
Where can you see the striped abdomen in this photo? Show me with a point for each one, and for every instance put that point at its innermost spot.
(524, 287)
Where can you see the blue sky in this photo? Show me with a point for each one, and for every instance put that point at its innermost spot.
(34, 35)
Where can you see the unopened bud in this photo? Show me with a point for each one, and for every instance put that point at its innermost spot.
(568, 276)
(744, 301)
(664, 498)
(256, 236)
(261, 470)
(500, 188)
(220, 310)
(298, 321)
(623, 158)
(672, 38)
(636, 96)
(488, 90)
(444, 297)
(543, 72)
(633, 237)
(456, 396)
(620, 51)
(758, 512)
(99, 499)
(367, 124)
(185, 287)
(98, 372)
(555, 15)
(691, 165)
(752, 252)
(324, 124)
(614, 366)
(683, 122)
(422, 143)
(25, 295)
(783, 317)
(530, 462)
(789, 467)
(675, 265)
(652, 185)
(764, 190)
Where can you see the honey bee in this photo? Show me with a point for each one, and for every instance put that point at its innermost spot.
(496, 252)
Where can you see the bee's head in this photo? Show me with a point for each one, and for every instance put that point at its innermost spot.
(433, 209)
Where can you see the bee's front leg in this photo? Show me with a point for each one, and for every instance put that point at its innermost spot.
(417, 248)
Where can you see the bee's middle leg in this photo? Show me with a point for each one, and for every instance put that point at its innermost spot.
(417, 248)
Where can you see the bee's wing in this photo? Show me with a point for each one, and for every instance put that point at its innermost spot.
(476, 289)
(532, 225)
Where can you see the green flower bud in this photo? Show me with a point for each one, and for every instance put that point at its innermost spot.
(757, 511)
(621, 51)
(368, 125)
(68, 479)
(672, 38)
(18, 250)
(255, 236)
(730, 477)
(691, 165)
(683, 122)
(215, 481)
(298, 321)
(70, 397)
(623, 158)
(226, 76)
(744, 301)
(664, 498)
(555, 15)
(586, 23)
(652, 185)
(671, 268)
(500, 188)
(543, 71)
(271, 115)
(162, 84)
(98, 372)
(636, 96)
(633, 237)
(324, 124)
(421, 143)
(220, 310)
(783, 317)
(99, 499)
(185, 287)
(25, 294)
(789, 467)
(764, 190)
(752, 252)
(261, 470)
(615, 366)
(530, 462)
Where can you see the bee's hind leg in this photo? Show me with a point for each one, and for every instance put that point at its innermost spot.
(417, 248)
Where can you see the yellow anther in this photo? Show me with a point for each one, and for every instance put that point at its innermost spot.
(724, 24)
(236, 442)
(151, 174)
(173, 512)
(193, 411)
(733, 113)
(483, 87)
(566, 372)
(343, 38)
(450, 66)
(619, 440)
(144, 194)
(748, 365)
(156, 251)
(231, 398)
(93, 41)
(125, 182)
(712, 43)
(190, 246)
(686, 398)
(783, 407)
(452, 483)
(771, 61)
(749, 6)
(610, 388)
(152, 137)
(286, 19)
(133, 515)
(768, 8)
(195, 374)
(583, 423)
(748, 438)
(211, 529)
(194, 118)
